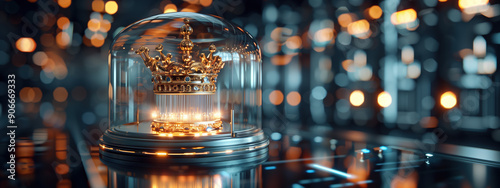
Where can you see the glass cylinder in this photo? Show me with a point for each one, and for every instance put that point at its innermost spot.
(184, 88)
(183, 74)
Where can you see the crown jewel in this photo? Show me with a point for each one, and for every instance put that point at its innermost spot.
(191, 76)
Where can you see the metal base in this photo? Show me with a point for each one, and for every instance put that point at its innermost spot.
(131, 148)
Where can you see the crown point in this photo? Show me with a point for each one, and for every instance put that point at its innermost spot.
(186, 28)
(212, 48)
(159, 47)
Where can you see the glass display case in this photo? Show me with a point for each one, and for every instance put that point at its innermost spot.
(184, 86)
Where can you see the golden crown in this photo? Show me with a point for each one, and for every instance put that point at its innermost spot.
(187, 77)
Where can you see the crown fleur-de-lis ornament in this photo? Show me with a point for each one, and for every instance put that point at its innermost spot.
(191, 76)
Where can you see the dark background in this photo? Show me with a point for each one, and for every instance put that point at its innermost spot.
(312, 63)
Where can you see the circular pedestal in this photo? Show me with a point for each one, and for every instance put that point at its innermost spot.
(130, 144)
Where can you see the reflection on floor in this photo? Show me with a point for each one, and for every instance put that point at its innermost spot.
(51, 157)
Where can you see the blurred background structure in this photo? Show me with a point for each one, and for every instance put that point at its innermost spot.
(398, 68)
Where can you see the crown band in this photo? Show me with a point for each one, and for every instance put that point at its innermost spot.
(194, 83)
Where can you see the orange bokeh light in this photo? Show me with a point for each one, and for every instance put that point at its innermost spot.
(64, 3)
(191, 8)
(98, 6)
(294, 42)
(465, 4)
(281, 60)
(276, 97)
(429, 122)
(111, 7)
(26, 44)
(293, 98)
(94, 24)
(375, 12)
(27, 94)
(62, 39)
(63, 23)
(97, 40)
(38, 94)
(404, 16)
(62, 169)
(346, 64)
(60, 94)
(345, 19)
(105, 26)
(170, 8)
(324, 35)
(205, 3)
(474, 6)
(360, 28)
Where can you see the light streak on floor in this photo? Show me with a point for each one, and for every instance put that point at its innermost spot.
(331, 170)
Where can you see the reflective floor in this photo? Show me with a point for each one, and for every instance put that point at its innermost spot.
(346, 159)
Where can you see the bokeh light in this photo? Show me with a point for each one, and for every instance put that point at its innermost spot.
(384, 99)
(360, 29)
(448, 100)
(404, 16)
(324, 35)
(98, 6)
(60, 94)
(64, 3)
(276, 97)
(94, 24)
(111, 7)
(294, 42)
(27, 94)
(62, 39)
(345, 19)
(357, 98)
(205, 3)
(293, 98)
(472, 6)
(407, 54)
(97, 40)
(63, 22)
(31, 94)
(413, 71)
(38, 94)
(104, 26)
(346, 64)
(26, 44)
(170, 8)
(375, 12)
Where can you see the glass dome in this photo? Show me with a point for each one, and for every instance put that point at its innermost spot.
(183, 77)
